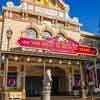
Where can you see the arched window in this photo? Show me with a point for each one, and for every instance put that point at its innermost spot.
(61, 36)
(31, 33)
(46, 34)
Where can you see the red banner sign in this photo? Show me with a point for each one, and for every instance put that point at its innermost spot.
(55, 45)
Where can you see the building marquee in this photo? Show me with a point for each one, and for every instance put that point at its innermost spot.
(69, 47)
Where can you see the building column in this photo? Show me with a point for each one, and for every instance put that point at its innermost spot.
(70, 78)
(95, 69)
(18, 78)
(82, 82)
(70, 85)
(5, 78)
(23, 87)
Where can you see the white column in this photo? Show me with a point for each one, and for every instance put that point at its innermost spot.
(82, 82)
(24, 76)
(70, 77)
(95, 72)
(5, 78)
(6, 73)
(70, 84)
(18, 78)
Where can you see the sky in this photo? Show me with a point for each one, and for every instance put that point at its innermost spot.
(88, 12)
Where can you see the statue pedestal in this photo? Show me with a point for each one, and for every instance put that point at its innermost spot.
(46, 93)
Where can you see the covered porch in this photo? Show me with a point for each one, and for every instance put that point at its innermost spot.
(24, 72)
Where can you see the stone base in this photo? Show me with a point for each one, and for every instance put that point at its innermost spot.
(46, 94)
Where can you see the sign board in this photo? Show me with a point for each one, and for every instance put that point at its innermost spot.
(49, 12)
(68, 47)
(15, 95)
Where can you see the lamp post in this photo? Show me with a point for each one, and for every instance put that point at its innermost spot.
(9, 33)
(82, 82)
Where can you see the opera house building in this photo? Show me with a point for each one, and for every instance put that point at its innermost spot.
(39, 35)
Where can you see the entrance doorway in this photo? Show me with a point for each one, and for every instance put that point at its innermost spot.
(59, 84)
(33, 86)
(55, 86)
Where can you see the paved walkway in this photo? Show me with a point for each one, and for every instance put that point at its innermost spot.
(65, 98)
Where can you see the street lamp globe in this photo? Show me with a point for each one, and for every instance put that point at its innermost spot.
(9, 33)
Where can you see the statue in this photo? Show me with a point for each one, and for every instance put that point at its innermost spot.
(46, 93)
(47, 78)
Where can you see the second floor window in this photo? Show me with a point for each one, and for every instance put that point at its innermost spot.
(31, 33)
(61, 36)
(46, 34)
